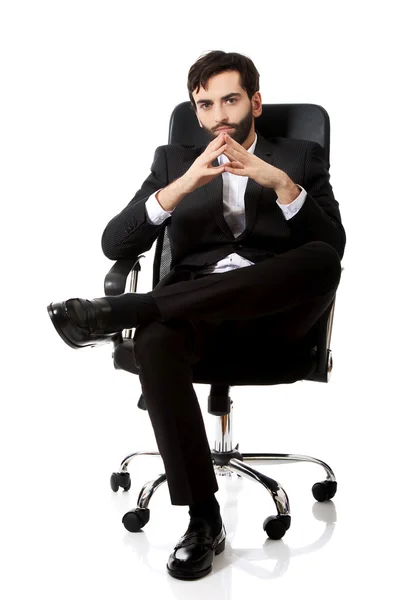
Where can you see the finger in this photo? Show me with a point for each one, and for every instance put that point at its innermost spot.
(235, 168)
(232, 155)
(233, 142)
(217, 141)
(235, 164)
(233, 151)
(217, 152)
(235, 147)
(214, 170)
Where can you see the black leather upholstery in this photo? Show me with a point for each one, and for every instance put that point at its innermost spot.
(269, 368)
(299, 121)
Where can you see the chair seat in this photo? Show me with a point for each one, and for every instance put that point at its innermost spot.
(272, 367)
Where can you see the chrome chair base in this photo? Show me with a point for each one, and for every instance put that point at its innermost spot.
(227, 464)
(228, 461)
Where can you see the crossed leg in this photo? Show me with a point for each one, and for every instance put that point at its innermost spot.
(283, 301)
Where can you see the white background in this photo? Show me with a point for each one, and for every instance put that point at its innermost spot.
(87, 89)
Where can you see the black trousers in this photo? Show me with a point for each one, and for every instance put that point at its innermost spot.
(281, 298)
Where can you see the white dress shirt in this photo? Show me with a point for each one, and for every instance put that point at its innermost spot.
(233, 190)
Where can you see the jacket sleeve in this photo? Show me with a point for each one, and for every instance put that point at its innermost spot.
(130, 232)
(319, 218)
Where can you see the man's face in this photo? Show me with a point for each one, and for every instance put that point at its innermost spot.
(226, 104)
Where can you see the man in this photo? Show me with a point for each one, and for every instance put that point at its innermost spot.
(256, 241)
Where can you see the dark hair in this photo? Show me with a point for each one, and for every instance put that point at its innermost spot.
(217, 61)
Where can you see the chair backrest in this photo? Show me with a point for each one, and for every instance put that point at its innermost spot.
(297, 121)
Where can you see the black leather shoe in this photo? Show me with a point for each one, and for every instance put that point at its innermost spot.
(193, 555)
(87, 323)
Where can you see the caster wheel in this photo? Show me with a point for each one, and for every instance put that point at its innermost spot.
(118, 480)
(324, 490)
(276, 527)
(135, 520)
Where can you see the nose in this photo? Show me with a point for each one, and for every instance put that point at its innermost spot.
(220, 115)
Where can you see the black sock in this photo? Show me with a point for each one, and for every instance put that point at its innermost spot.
(130, 310)
(209, 511)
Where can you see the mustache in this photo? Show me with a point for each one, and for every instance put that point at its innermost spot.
(220, 127)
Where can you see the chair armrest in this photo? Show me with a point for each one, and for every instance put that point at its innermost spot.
(115, 280)
(324, 354)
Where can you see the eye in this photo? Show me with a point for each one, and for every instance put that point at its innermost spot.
(231, 100)
(205, 105)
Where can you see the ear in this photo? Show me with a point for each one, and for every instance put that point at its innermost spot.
(256, 102)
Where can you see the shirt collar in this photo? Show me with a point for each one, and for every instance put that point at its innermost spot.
(253, 146)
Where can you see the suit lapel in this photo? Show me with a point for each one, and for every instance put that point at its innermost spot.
(254, 192)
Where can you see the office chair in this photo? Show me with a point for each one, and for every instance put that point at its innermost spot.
(301, 121)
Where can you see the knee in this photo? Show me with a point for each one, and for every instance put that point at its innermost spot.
(157, 339)
(326, 260)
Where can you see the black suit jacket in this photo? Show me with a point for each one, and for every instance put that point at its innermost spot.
(199, 234)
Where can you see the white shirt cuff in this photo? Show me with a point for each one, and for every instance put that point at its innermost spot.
(155, 213)
(289, 210)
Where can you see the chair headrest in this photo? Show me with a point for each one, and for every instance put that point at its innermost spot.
(298, 121)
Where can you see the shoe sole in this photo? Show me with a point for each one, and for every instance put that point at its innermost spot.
(190, 576)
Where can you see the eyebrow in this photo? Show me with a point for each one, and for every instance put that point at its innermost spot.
(231, 95)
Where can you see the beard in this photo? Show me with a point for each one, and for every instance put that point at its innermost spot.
(241, 129)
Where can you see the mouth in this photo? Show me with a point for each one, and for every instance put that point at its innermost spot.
(225, 129)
